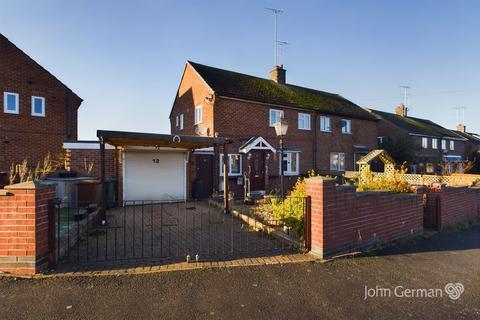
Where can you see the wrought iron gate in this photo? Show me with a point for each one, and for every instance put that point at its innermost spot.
(169, 231)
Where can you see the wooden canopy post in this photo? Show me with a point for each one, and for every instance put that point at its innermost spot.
(103, 182)
(225, 180)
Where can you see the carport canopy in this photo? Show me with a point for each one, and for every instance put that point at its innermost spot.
(142, 139)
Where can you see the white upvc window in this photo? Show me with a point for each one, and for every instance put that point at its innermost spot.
(325, 125)
(380, 141)
(234, 164)
(434, 143)
(452, 145)
(180, 121)
(275, 116)
(198, 114)
(290, 163)
(304, 121)
(347, 126)
(11, 102)
(177, 121)
(424, 142)
(337, 161)
(444, 144)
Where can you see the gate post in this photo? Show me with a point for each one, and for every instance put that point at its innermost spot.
(308, 223)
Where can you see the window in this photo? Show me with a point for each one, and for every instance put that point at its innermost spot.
(444, 144)
(380, 140)
(425, 143)
(10, 102)
(290, 163)
(304, 121)
(434, 143)
(429, 167)
(198, 114)
(177, 120)
(180, 121)
(337, 161)
(452, 145)
(234, 165)
(325, 124)
(347, 126)
(275, 116)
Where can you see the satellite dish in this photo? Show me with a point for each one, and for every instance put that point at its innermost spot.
(341, 123)
(201, 131)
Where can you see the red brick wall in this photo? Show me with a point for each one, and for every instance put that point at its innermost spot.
(342, 219)
(193, 91)
(456, 204)
(23, 136)
(78, 157)
(24, 234)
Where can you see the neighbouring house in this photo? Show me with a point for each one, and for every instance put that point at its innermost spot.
(472, 147)
(39, 112)
(424, 145)
(326, 132)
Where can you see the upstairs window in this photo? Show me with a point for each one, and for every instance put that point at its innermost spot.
(198, 114)
(304, 121)
(180, 121)
(10, 102)
(424, 143)
(444, 144)
(452, 145)
(234, 164)
(177, 121)
(347, 126)
(290, 163)
(325, 124)
(337, 161)
(38, 106)
(275, 116)
(380, 141)
(434, 143)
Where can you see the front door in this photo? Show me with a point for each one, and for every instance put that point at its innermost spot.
(257, 170)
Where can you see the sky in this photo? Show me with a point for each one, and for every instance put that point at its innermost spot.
(126, 58)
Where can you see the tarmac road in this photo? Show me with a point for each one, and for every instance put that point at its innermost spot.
(333, 290)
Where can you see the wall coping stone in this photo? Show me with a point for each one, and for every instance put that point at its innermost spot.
(29, 185)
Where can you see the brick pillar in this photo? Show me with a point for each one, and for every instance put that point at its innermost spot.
(318, 188)
(24, 227)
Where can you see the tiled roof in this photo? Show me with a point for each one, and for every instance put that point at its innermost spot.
(472, 137)
(417, 125)
(242, 86)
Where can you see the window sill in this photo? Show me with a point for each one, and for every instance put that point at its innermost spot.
(11, 112)
(37, 115)
(304, 129)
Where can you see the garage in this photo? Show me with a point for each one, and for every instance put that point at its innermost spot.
(155, 167)
(155, 174)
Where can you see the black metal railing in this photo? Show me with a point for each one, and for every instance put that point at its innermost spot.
(176, 231)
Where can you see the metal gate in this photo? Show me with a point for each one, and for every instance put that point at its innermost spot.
(171, 232)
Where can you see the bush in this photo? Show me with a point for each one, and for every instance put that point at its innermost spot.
(291, 211)
(392, 183)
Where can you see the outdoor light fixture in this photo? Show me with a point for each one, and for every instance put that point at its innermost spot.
(281, 128)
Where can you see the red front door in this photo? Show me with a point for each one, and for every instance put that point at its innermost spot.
(257, 170)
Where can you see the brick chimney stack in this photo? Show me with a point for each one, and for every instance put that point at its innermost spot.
(278, 74)
(401, 110)
(461, 128)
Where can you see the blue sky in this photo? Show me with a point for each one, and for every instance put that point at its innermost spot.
(125, 58)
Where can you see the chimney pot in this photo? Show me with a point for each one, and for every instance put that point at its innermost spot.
(278, 74)
(461, 127)
(401, 110)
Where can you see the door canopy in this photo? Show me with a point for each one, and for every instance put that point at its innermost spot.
(256, 143)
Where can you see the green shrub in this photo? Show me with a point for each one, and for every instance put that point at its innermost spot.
(392, 183)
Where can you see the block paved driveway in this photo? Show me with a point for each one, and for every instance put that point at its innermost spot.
(333, 290)
(144, 234)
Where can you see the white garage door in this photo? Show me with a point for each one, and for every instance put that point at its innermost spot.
(154, 175)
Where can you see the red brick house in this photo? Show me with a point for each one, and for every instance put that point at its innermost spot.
(38, 112)
(326, 132)
(426, 146)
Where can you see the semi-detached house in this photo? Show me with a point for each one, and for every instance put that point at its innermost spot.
(326, 132)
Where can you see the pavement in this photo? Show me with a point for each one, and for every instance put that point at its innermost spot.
(306, 290)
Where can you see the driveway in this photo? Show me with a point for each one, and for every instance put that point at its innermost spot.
(334, 290)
